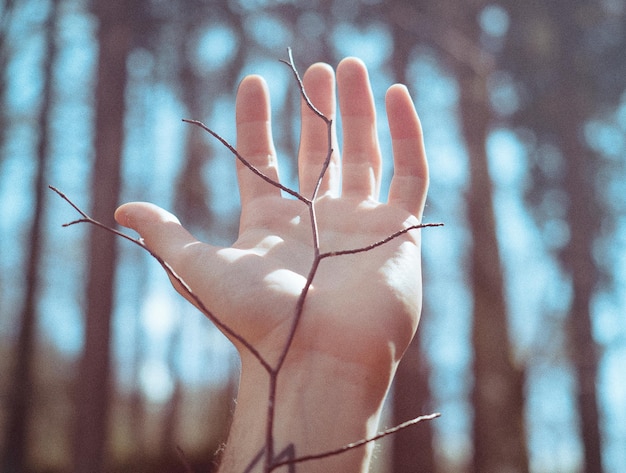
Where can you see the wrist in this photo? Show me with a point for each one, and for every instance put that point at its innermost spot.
(321, 404)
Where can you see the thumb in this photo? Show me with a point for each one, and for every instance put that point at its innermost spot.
(160, 230)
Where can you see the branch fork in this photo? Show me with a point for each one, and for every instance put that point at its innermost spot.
(271, 461)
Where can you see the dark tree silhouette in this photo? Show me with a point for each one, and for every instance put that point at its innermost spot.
(115, 31)
(570, 68)
(22, 388)
(498, 389)
(499, 438)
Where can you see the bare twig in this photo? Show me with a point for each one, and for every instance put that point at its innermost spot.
(247, 163)
(329, 127)
(170, 272)
(393, 236)
(271, 462)
(359, 443)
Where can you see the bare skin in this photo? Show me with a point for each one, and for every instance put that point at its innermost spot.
(361, 310)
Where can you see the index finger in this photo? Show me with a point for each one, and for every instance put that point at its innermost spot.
(254, 140)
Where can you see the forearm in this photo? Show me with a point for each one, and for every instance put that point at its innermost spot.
(321, 405)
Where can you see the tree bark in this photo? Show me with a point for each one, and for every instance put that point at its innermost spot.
(22, 393)
(499, 438)
(92, 388)
(566, 83)
(498, 390)
(584, 218)
(573, 109)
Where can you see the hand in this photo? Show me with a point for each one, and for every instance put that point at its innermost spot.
(361, 310)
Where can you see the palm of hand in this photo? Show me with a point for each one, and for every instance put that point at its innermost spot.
(360, 307)
(254, 286)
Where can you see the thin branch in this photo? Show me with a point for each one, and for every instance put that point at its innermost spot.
(299, 309)
(247, 163)
(290, 63)
(391, 237)
(312, 214)
(359, 443)
(329, 130)
(170, 271)
(271, 462)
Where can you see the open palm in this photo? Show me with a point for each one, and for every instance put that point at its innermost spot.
(361, 307)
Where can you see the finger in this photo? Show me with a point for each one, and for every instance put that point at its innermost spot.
(254, 140)
(319, 84)
(409, 183)
(361, 162)
(161, 231)
(166, 238)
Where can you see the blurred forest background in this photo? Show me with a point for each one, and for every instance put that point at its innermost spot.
(522, 344)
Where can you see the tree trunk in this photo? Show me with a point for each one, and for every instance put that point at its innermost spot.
(584, 219)
(573, 108)
(22, 387)
(498, 391)
(92, 389)
(564, 78)
(192, 192)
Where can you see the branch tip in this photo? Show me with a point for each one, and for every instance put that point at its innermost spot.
(170, 271)
(360, 443)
